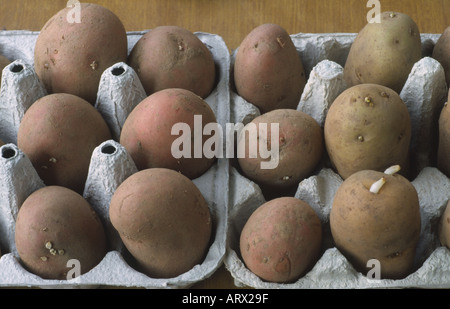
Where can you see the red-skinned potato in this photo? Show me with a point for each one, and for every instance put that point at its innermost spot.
(147, 131)
(70, 55)
(268, 71)
(173, 57)
(58, 133)
(281, 240)
(301, 146)
(163, 220)
(55, 225)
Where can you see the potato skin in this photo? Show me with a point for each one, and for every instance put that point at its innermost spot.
(3, 63)
(384, 53)
(444, 227)
(268, 71)
(163, 220)
(384, 226)
(71, 57)
(58, 218)
(146, 133)
(173, 57)
(281, 240)
(58, 133)
(368, 127)
(301, 146)
(443, 158)
(441, 52)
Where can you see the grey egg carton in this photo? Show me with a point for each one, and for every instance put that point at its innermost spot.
(425, 92)
(119, 92)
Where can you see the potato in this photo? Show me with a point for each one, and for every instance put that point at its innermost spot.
(441, 52)
(444, 227)
(3, 63)
(147, 132)
(368, 126)
(173, 57)
(55, 225)
(70, 56)
(268, 71)
(299, 151)
(377, 223)
(443, 157)
(384, 53)
(58, 133)
(281, 240)
(163, 220)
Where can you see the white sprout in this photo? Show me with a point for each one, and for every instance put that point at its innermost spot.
(392, 170)
(376, 186)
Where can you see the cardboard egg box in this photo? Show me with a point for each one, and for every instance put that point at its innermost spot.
(119, 92)
(425, 92)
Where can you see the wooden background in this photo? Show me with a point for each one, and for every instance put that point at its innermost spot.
(232, 20)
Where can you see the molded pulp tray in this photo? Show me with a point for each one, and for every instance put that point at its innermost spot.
(119, 91)
(231, 196)
(425, 92)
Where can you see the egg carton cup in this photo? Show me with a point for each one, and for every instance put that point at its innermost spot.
(119, 92)
(425, 92)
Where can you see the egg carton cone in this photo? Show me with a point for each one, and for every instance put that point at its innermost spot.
(120, 90)
(324, 57)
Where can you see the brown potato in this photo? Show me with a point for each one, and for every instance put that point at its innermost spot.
(70, 57)
(443, 157)
(163, 220)
(281, 240)
(173, 57)
(58, 133)
(384, 53)
(301, 146)
(368, 126)
(268, 71)
(147, 132)
(55, 225)
(383, 224)
(3, 63)
(444, 227)
(441, 52)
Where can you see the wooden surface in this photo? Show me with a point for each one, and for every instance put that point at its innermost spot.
(232, 20)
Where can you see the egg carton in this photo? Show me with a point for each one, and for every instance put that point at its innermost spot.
(425, 92)
(119, 92)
